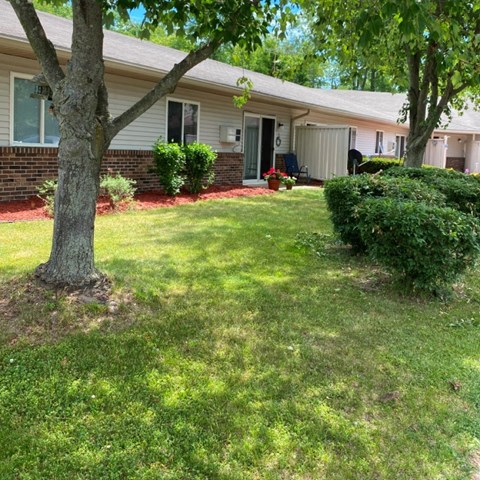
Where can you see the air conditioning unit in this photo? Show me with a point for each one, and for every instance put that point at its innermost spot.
(230, 134)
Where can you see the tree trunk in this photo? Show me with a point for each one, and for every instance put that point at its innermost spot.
(415, 152)
(71, 259)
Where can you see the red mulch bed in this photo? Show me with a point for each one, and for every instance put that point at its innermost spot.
(32, 209)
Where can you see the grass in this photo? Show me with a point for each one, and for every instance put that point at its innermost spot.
(238, 356)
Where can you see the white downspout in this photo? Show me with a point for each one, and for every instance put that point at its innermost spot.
(292, 131)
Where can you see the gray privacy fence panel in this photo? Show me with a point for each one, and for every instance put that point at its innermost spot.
(436, 153)
(323, 149)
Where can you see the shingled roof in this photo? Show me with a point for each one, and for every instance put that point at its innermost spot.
(126, 51)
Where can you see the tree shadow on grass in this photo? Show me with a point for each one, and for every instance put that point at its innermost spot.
(221, 382)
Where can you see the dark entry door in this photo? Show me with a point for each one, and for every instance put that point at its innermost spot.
(259, 146)
(267, 149)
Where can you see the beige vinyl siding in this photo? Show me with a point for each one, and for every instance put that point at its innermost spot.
(4, 104)
(145, 130)
(215, 110)
(456, 145)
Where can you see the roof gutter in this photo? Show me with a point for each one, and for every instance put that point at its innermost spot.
(292, 131)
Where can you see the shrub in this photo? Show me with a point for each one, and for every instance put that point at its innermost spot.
(344, 194)
(46, 191)
(429, 246)
(423, 173)
(461, 191)
(199, 161)
(378, 164)
(118, 189)
(169, 164)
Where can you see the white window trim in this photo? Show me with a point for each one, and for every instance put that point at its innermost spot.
(380, 143)
(351, 128)
(404, 135)
(26, 76)
(182, 101)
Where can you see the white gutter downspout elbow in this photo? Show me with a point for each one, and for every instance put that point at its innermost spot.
(292, 131)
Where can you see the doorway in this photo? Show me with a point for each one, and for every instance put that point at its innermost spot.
(259, 149)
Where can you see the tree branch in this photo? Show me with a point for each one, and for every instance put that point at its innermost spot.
(437, 110)
(42, 46)
(165, 86)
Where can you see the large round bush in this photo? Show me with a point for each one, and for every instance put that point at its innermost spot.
(461, 191)
(345, 194)
(429, 246)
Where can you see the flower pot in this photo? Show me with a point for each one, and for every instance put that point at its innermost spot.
(289, 186)
(273, 184)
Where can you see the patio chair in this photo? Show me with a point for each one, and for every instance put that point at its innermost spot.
(293, 170)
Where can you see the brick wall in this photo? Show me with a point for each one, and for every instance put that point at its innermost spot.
(135, 164)
(457, 163)
(229, 169)
(22, 169)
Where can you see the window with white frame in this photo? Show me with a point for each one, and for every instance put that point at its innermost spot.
(352, 140)
(379, 142)
(182, 121)
(31, 121)
(399, 146)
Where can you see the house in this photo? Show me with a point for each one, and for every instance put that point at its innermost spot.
(280, 117)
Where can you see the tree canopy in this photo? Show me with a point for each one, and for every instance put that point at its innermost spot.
(430, 48)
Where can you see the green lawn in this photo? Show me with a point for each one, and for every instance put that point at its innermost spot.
(234, 355)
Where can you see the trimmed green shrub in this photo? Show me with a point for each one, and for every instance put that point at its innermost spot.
(118, 189)
(199, 161)
(344, 194)
(427, 245)
(461, 191)
(426, 172)
(46, 191)
(377, 164)
(169, 164)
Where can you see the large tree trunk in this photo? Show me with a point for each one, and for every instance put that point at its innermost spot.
(72, 259)
(80, 104)
(415, 152)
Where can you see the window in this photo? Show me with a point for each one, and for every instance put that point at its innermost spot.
(31, 121)
(400, 146)
(379, 142)
(352, 140)
(182, 122)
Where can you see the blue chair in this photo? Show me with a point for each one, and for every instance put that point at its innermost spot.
(293, 170)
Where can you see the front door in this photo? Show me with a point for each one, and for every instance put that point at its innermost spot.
(258, 146)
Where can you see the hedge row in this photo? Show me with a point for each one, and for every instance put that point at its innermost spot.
(420, 223)
(377, 164)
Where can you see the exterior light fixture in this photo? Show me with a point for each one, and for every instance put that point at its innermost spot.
(42, 90)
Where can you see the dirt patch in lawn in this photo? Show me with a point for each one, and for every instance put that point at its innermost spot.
(34, 313)
(32, 209)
